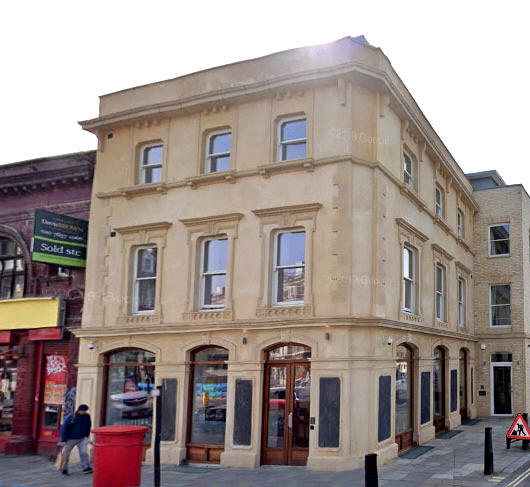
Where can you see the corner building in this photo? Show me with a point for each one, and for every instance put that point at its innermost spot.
(284, 244)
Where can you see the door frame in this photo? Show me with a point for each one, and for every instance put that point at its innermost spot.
(412, 383)
(464, 407)
(290, 365)
(492, 399)
(443, 361)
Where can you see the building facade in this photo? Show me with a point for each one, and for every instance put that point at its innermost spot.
(39, 302)
(285, 246)
(501, 276)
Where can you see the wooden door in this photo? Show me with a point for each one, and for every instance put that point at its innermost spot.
(285, 439)
(404, 398)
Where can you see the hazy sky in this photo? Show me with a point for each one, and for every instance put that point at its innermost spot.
(465, 63)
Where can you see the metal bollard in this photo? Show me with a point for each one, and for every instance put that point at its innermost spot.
(370, 470)
(525, 442)
(488, 451)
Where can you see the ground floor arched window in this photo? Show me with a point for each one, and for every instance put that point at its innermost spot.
(207, 404)
(129, 382)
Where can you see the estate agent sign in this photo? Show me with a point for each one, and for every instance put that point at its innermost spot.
(59, 239)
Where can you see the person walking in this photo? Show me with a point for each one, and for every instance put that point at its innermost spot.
(74, 432)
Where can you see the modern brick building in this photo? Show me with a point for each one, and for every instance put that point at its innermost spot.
(501, 279)
(39, 303)
(285, 245)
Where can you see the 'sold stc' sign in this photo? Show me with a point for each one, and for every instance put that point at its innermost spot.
(59, 239)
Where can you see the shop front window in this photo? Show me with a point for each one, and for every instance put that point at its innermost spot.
(208, 398)
(130, 382)
(8, 385)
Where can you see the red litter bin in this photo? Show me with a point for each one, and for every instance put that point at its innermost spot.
(118, 456)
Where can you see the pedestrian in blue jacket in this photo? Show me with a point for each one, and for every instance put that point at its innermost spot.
(74, 432)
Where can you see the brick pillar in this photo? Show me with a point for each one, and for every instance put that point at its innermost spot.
(21, 440)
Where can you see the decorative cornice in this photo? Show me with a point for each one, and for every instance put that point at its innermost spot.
(405, 225)
(143, 227)
(228, 217)
(280, 210)
(441, 251)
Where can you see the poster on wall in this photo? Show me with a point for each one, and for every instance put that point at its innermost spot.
(59, 239)
(55, 380)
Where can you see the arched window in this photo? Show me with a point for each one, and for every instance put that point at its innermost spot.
(12, 269)
(130, 375)
(207, 408)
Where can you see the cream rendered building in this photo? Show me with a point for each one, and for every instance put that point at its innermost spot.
(284, 244)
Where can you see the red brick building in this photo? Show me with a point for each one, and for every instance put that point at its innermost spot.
(39, 302)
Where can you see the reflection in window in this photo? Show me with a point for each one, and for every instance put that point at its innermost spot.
(440, 293)
(438, 381)
(408, 170)
(293, 140)
(208, 399)
(12, 269)
(289, 269)
(130, 382)
(500, 305)
(499, 243)
(213, 278)
(144, 287)
(8, 386)
(439, 202)
(403, 389)
(218, 154)
(408, 279)
(151, 164)
(290, 351)
(461, 301)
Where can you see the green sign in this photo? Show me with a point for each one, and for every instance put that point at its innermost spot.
(59, 239)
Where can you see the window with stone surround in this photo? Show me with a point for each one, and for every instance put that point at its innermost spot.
(461, 302)
(150, 164)
(292, 138)
(439, 209)
(144, 284)
(218, 146)
(459, 223)
(289, 268)
(210, 243)
(410, 170)
(440, 293)
(409, 279)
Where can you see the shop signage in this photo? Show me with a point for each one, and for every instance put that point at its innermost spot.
(519, 429)
(59, 239)
(55, 380)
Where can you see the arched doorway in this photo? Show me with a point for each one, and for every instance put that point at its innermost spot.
(404, 425)
(207, 404)
(462, 383)
(439, 389)
(128, 383)
(286, 398)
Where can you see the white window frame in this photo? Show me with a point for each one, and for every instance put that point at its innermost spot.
(203, 274)
(438, 207)
(461, 299)
(411, 280)
(499, 240)
(209, 156)
(275, 273)
(411, 184)
(142, 166)
(136, 280)
(459, 223)
(496, 305)
(439, 313)
(279, 152)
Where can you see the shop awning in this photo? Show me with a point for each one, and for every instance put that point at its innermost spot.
(28, 313)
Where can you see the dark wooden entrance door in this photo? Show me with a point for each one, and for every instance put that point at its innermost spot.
(439, 390)
(404, 397)
(462, 385)
(287, 393)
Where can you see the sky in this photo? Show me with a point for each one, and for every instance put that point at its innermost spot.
(465, 62)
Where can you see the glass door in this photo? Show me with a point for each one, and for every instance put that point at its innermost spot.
(287, 397)
(502, 389)
(404, 398)
(462, 384)
(439, 390)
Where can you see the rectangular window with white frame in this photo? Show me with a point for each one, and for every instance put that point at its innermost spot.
(460, 223)
(289, 268)
(408, 171)
(440, 292)
(144, 284)
(151, 157)
(461, 302)
(218, 147)
(409, 280)
(292, 139)
(213, 273)
(499, 240)
(438, 201)
(500, 305)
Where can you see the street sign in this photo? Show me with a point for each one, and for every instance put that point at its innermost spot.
(519, 429)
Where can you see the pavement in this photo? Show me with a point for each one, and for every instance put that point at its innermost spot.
(457, 461)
